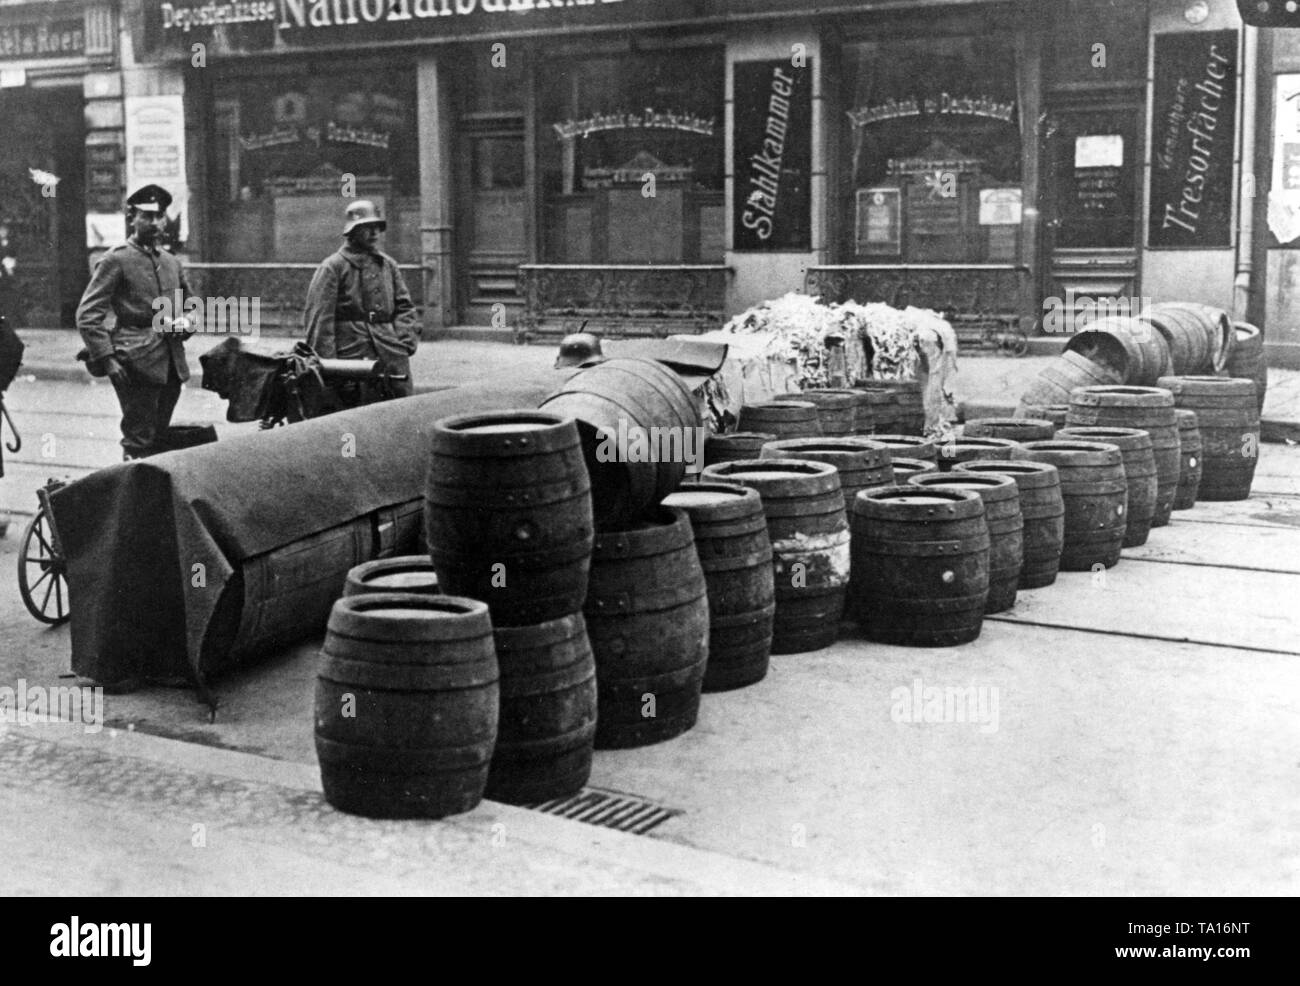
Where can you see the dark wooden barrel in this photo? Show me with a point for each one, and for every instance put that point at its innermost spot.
(1150, 409)
(837, 410)
(735, 553)
(1013, 429)
(1006, 526)
(920, 565)
(909, 403)
(1199, 337)
(404, 573)
(406, 705)
(508, 513)
(862, 462)
(965, 449)
(640, 429)
(804, 507)
(906, 468)
(1247, 359)
(647, 616)
(1095, 494)
(737, 445)
(1139, 472)
(1189, 476)
(1227, 417)
(548, 712)
(1059, 378)
(782, 419)
(881, 411)
(1128, 346)
(908, 446)
(1055, 413)
(1043, 511)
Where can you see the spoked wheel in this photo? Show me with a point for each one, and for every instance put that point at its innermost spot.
(42, 573)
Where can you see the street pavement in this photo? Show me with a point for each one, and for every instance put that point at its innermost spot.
(1129, 732)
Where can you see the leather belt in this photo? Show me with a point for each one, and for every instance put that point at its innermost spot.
(372, 317)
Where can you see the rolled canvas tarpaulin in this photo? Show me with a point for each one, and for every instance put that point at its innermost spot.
(159, 550)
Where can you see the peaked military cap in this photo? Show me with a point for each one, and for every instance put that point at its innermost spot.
(150, 198)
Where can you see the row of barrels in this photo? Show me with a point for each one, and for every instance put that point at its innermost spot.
(878, 406)
(1173, 339)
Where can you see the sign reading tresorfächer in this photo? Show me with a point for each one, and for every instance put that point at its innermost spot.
(772, 156)
(1192, 137)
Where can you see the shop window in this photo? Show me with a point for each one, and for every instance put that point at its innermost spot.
(931, 160)
(290, 149)
(631, 158)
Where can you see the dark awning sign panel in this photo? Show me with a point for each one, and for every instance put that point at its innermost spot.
(772, 161)
(1193, 128)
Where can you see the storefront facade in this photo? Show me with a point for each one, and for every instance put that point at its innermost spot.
(61, 153)
(655, 167)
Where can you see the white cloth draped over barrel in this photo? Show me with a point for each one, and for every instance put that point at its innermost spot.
(795, 343)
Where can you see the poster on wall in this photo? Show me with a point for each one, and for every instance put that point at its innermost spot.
(155, 150)
(1284, 193)
(1193, 127)
(772, 156)
(879, 221)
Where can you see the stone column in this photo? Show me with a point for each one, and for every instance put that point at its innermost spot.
(437, 195)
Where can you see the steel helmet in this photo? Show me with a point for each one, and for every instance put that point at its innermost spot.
(362, 213)
(578, 348)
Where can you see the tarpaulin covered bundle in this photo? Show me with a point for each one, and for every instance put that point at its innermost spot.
(173, 560)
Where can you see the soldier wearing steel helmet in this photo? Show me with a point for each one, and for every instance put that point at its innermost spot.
(358, 306)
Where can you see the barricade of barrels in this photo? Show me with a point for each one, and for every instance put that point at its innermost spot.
(575, 600)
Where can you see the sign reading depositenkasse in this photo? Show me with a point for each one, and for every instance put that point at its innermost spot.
(1193, 131)
(771, 163)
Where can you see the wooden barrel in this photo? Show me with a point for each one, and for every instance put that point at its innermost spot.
(782, 419)
(1227, 417)
(406, 705)
(647, 616)
(548, 712)
(1247, 359)
(405, 573)
(804, 507)
(862, 462)
(909, 414)
(1150, 409)
(1059, 378)
(904, 469)
(737, 445)
(968, 449)
(1139, 472)
(881, 411)
(920, 565)
(837, 410)
(1043, 511)
(1095, 495)
(640, 428)
(1013, 429)
(735, 553)
(908, 446)
(1006, 526)
(1199, 337)
(508, 513)
(1128, 346)
(1189, 476)
(1055, 413)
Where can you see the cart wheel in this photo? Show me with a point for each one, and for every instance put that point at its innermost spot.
(42, 574)
(1017, 343)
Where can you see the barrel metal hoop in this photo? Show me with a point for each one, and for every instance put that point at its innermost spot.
(919, 549)
(575, 550)
(732, 563)
(378, 676)
(402, 760)
(639, 601)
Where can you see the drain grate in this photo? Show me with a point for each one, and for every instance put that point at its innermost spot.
(609, 809)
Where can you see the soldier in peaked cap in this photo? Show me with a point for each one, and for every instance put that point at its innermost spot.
(146, 366)
(358, 306)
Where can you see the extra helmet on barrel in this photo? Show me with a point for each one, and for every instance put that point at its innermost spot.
(577, 349)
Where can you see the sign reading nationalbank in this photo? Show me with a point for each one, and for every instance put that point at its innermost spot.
(257, 24)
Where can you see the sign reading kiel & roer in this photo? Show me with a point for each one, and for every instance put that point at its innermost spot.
(772, 156)
(1192, 130)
